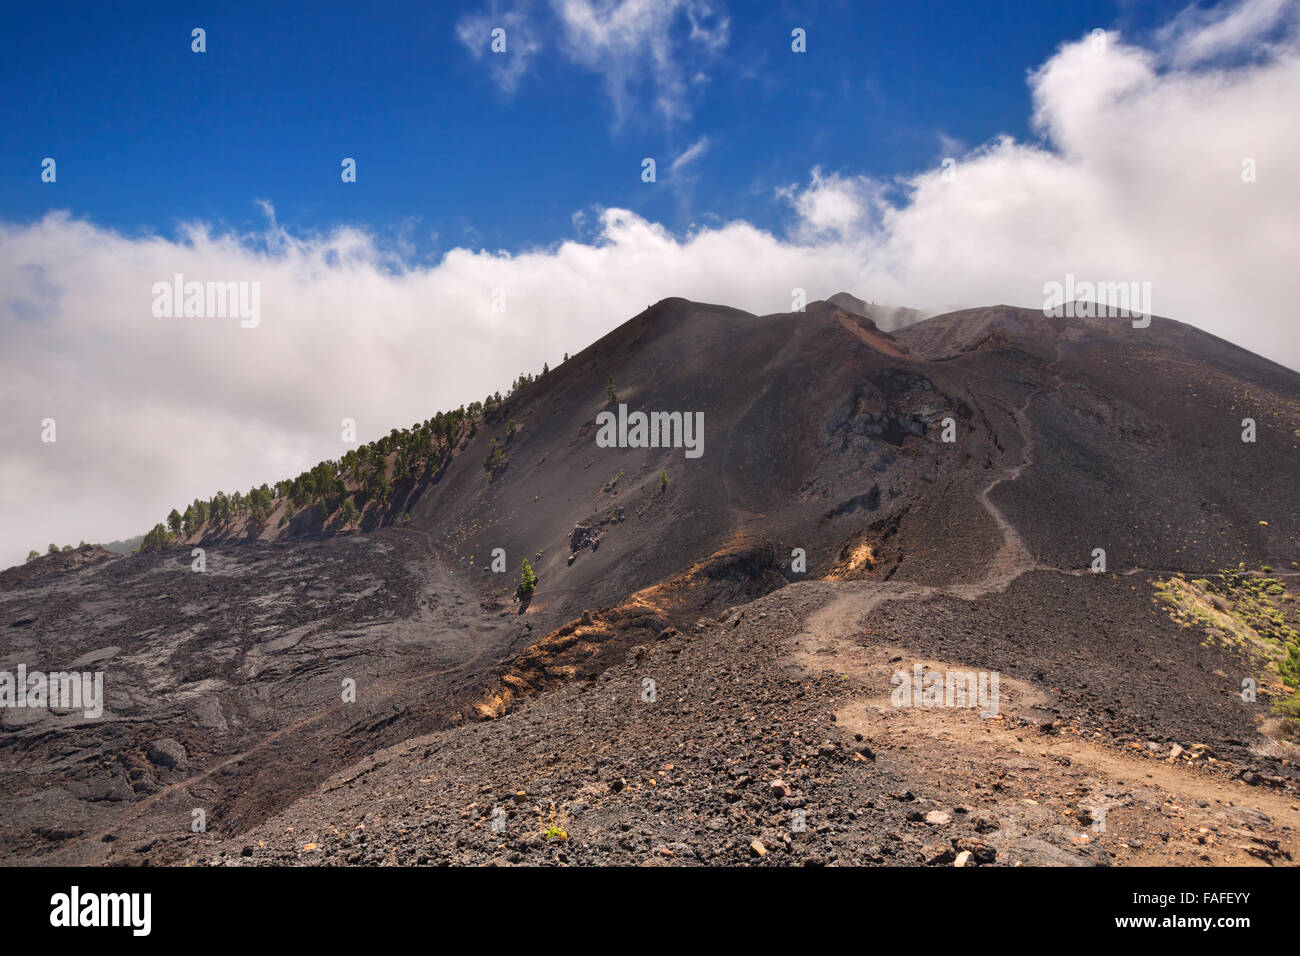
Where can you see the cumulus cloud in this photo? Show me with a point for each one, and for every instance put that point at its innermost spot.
(834, 206)
(1137, 175)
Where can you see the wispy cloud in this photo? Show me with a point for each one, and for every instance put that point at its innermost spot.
(1197, 34)
(631, 45)
(688, 156)
(639, 48)
(522, 41)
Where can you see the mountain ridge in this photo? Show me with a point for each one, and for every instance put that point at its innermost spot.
(854, 483)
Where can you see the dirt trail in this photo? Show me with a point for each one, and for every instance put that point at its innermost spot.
(1013, 557)
(1155, 811)
(1060, 790)
(829, 630)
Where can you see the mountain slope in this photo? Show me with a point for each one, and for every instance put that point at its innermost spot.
(823, 433)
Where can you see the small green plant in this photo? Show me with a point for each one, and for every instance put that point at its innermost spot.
(611, 393)
(1234, 608)
(553, 828)
(527, 580)
(663, 480)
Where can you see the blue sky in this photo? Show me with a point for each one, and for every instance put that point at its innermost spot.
(515, 179)
(148, 134)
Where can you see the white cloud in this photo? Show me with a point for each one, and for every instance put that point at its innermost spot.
(642, 50)
(689, 155)
(1198, 34)
(522, 41)
(834, 205)
(1137, 177)
(630, 43)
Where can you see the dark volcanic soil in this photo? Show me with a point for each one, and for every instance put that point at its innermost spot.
(770, 736)
(755, 718)
(242, 669)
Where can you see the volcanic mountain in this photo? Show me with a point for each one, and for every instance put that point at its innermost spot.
(1101, 515)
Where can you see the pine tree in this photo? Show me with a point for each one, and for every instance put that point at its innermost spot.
(349, 513)
(527, 580)
(611, 394)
